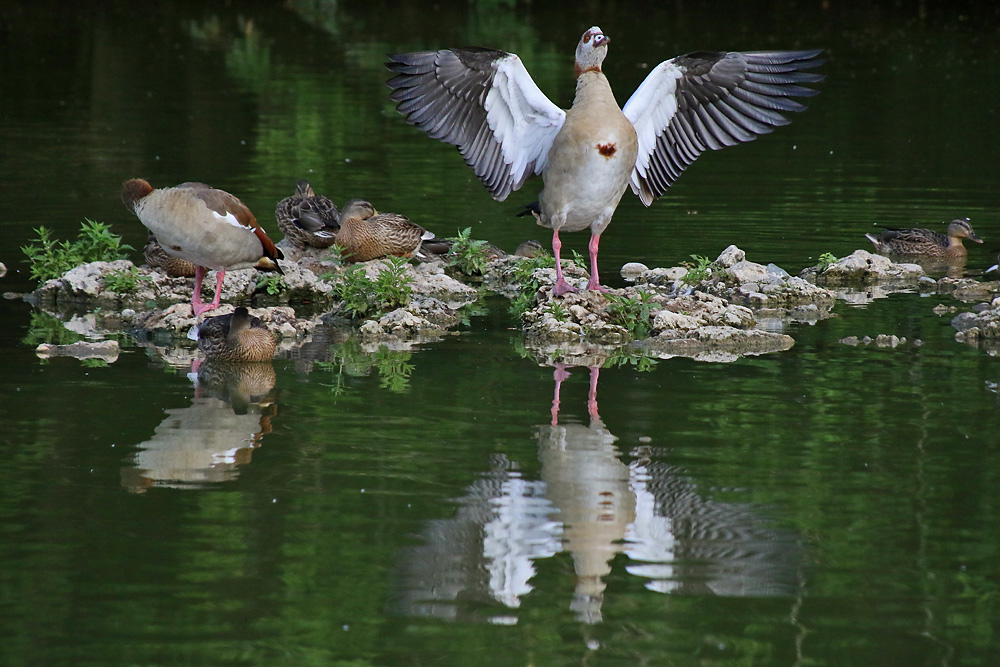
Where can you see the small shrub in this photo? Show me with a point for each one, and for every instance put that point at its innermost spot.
(272, 283)
(825, 260)
(468, 256)
(363, 296)
(632, 313)
(698, 271)
(125, 281)
(48, 258)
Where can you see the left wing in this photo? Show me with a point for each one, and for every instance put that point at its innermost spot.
(711, 100)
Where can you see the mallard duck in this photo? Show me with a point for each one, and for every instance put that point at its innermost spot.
(530, 249)
(484, 102)
(307, 219)
(238, 336)
(926, 242)
(157, 257)
(210, 228)
(366, 234)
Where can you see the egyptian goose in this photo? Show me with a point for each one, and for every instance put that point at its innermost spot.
(210, 228)
(306, 218)
(366, 234)
(238, 336)
(925, 241)
(157, 257)
(485, 103)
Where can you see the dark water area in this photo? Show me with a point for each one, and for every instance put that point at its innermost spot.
(827, 505)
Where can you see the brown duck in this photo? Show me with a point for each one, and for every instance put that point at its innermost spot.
(307, 219)
(157, 257)
(366, 234)
(210, 228)
(926, 242)
(238, 336)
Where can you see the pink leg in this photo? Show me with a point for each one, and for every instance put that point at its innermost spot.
(196, 305)
(199, 276)
(595, 282)
(561, 286)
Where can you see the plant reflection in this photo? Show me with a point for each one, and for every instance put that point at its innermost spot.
(593, 505)
(207, 442)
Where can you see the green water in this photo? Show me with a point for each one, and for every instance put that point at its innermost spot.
(827, 505)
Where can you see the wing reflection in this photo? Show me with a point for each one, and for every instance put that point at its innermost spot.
(593, 506)
(207, 442)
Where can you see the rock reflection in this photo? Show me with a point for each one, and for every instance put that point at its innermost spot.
(207, 442)
(592, 505)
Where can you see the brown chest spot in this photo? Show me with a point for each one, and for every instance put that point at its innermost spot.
(177, 248)
(607, 150)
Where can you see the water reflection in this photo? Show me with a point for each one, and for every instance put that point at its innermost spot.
(593, 505)
(206, 442)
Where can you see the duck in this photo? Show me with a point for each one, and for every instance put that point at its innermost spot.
(366, 234)
(916, 241)
(484, 102)
(210, 228)
(306, 218)
(237, 336)
(157, 257)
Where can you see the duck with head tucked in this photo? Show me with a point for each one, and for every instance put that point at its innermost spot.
(366, 234)
(210, 228)
(307, 219)
(926, 242)
(238, 336)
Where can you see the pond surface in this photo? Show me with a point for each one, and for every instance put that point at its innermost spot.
(826, 505)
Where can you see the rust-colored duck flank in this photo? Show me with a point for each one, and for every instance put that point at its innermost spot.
(926, 242)
(307, 219)
(157, 257)
(366, 234)
(210, 228)
(238, 336)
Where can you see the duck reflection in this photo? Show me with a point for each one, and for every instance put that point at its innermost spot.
(592, 505)
(206, 442)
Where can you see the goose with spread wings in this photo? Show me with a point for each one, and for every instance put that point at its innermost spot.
(484, 102)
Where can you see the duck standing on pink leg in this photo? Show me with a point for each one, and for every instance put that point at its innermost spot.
(484, 102)
(210, 228)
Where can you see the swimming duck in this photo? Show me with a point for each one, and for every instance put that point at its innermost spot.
(306, 218)
(238, 336)
(484, 102)
(157, 257)
(366, 234)
(210, 228)
(925, 241)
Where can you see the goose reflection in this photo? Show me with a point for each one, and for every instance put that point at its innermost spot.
(206, 442)
(592, 505)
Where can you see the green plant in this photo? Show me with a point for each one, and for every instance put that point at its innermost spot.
(825, 260)
(468, 256)
(48, 258)
(559, 313)
(124, 281)
(523, 277)
(698, 271)
(272, 283)
(363, 296)
(632, 313)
